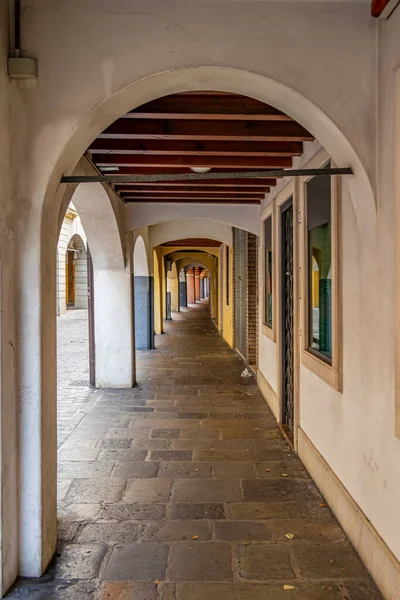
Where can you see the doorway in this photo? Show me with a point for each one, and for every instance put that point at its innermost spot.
(287, 355)
(70, 278)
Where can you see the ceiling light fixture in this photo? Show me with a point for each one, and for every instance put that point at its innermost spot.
(200, 169)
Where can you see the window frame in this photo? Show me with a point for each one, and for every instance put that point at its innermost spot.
(328, 370)
(227, 275)
(268, 250)
(269, 330)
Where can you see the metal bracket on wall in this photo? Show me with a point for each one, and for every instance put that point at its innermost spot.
(204, 176)
(19, 67)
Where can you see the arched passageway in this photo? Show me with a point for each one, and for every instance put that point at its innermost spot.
(233, 292)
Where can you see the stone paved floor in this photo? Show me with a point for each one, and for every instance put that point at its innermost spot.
(184, 489)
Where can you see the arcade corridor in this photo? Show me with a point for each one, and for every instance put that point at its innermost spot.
(183, 488)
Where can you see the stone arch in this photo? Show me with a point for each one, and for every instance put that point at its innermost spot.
(100, 224)
(140, 264)
(190, 228)
(38, 382)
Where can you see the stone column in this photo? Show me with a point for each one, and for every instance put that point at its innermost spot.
(197, 284)
(190, 286)
(113, 329)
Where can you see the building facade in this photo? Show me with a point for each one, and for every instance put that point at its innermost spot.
(71, 264)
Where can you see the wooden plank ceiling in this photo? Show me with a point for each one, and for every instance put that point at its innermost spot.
(224, 132)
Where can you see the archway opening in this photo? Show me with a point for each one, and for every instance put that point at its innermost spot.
(199, 196)
(72, 314)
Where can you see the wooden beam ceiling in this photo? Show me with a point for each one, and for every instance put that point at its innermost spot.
(225, 132)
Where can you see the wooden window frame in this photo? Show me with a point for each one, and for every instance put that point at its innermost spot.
(330, 372)
(227, 275)
(268, 330)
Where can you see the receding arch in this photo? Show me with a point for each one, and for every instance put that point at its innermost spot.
(190, 228)
(140, 265)
(99, 222)
(240, 216)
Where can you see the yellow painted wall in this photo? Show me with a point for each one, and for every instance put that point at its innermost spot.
(173, 287)
(227, 309)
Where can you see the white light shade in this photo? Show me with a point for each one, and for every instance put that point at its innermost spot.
(109, 169)
(200, 169)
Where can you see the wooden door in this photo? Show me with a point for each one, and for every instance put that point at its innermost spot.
(70, 279)
(287, 317)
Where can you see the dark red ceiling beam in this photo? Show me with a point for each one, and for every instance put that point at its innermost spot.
(191, 147)
(220, 183)
(232, 162)
(212, 106)
(204, 130)
(199, 242)
(193, 201)
(194, 198)
(161, 189)
(171, 171)
(378, 6)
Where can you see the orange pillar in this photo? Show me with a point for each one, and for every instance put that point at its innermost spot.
(197, 284)
(190, 286)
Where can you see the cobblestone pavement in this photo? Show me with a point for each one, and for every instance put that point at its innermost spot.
(184, 489)
(73, 393)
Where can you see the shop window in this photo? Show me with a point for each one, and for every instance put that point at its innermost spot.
(322, 335)
(319, 234)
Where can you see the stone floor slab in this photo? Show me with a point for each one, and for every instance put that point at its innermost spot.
(90, 491)
(155, 490)
(210, 490)
(126, 590)
(267, 562)
(200, 561)
(80, 561)
(145, 561)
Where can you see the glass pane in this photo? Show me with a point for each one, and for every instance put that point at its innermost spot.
(320, 264)
(268, 271)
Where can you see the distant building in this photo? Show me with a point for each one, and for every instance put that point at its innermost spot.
(71, 264)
